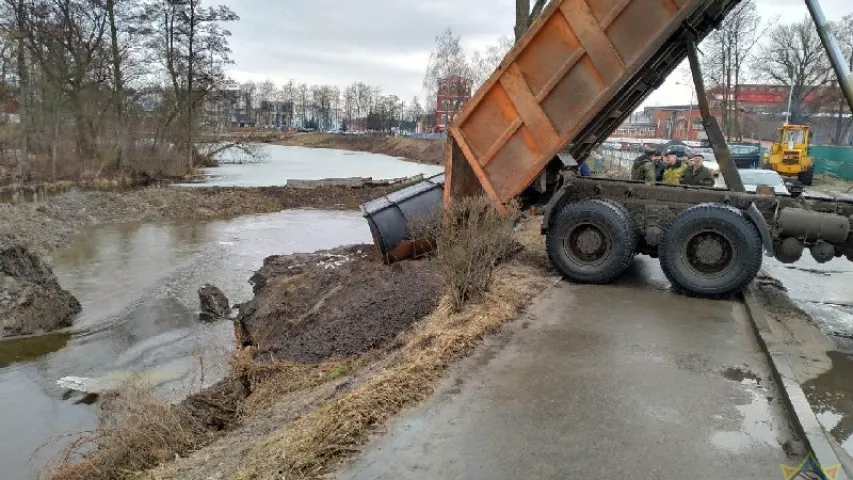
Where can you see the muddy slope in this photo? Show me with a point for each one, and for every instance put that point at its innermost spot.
(415, 149)
(31, 300)
(335, 303)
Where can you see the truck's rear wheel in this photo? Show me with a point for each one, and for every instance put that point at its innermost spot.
(591, 241)
(807, 177)
(710, 250)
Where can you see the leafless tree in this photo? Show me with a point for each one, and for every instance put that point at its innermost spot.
(525, 16)
(447, 60)
(794, 56)
(728, 52)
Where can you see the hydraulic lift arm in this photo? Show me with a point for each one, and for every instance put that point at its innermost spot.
(845, 80)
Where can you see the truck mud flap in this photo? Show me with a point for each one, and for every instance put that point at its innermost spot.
(758, 220)
(391, 216)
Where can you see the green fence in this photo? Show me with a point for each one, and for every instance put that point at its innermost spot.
(833, 161)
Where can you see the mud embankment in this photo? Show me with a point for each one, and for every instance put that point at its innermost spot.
(46, 226)
(332, 344)
(31, 300)
(419, 150)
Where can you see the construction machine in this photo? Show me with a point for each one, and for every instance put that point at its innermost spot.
(580, 70)
(789, 155)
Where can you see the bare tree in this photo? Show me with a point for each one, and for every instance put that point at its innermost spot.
(728, 52)
(794, 56)
(524, 16)
(446, 61)
(483, 63)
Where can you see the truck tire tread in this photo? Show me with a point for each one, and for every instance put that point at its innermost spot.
(738, 230)
(617, 225)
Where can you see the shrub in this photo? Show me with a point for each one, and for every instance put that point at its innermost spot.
(472, 239)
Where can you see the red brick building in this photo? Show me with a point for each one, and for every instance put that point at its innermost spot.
(453, 92)
(683, 122)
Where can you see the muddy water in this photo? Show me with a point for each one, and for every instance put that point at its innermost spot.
(137, 284)
(824, 292)
(279, 163)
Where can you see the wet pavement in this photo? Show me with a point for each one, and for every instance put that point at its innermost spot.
(823, 290)
(137, 284)
(620, 381)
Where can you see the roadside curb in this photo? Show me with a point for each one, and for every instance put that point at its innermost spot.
(804, 419)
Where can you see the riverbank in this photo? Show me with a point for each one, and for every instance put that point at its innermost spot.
(46, 226)
(330, 360)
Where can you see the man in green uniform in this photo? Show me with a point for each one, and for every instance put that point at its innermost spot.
(697, 173)
(644, 166)
(674, 169)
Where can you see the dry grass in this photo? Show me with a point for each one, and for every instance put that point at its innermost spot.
(136, 430)
(270, 380)
(310, 446)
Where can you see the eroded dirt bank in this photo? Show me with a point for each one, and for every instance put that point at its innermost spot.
(31, 300)
(333, 344)
(46, 226)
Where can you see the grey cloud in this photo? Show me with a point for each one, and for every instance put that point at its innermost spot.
(343, 41)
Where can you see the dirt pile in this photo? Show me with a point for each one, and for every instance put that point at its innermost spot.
(336, 303)
(31, 300)
(214, 303)
(418, 150)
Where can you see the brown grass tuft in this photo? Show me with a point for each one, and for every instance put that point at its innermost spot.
(137, 430)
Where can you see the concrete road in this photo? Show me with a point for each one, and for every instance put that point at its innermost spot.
(628, 381)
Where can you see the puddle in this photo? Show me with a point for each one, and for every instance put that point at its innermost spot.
(741, 375)
(756, 425)
(831, 397)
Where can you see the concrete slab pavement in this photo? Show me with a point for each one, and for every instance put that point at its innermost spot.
(601, 382)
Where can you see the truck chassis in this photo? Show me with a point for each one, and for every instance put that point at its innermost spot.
(709, 241)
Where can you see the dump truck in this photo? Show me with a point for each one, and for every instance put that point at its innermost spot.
(578, 72)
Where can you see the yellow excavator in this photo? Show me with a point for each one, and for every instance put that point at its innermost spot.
(789, 155)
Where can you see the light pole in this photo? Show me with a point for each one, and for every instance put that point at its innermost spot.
(690, 109)
(790, 97)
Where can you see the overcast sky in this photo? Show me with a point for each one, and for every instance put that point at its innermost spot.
(387, 42)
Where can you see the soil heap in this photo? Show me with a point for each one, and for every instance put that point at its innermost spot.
(214, 303)
(31, 300)
(334, 303)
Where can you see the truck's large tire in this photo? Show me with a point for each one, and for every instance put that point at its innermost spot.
(807, 177)
(710, 250)
(591, 241)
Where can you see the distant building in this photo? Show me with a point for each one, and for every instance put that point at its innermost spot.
(638, 125)
(453, 93)
(274, 114)
(664, 122)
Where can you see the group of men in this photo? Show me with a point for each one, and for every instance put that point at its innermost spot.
(651, 167)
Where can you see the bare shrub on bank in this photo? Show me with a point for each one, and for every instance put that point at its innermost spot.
(470, 237)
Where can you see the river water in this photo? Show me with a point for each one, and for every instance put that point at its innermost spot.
(138, 286)
(280, 163)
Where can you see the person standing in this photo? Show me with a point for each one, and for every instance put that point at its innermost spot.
(643, 169)
(697, 173)
(673, 170)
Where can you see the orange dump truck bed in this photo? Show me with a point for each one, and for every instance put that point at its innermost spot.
(579, 71)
